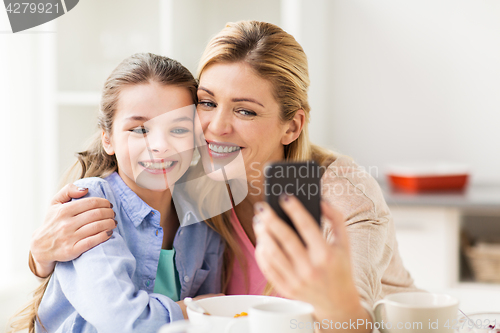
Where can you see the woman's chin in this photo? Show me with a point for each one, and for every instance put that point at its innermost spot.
(225, 173)
(223, 169)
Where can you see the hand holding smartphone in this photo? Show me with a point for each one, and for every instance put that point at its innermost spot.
(301, 179)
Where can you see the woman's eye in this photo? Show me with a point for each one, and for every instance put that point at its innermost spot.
(179, 130)
(246, 113)
(139, 130)
(207, 104)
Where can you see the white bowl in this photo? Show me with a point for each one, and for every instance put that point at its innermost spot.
(481, 322)
(222, 309)
(183, 326)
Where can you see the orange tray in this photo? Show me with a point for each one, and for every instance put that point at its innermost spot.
(428, 182)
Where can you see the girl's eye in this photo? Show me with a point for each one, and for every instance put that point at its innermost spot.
(139, 130)
(246, 113)
(207, 104)
(179, 130)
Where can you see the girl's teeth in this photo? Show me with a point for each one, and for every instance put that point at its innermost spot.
(223, 149)
(155, 165)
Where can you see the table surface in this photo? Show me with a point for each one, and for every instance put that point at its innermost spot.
(473, 197)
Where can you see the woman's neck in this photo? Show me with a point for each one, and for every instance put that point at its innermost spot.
(245, 211)
(255, 194)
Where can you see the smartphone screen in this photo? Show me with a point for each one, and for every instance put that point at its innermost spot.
(301, 179)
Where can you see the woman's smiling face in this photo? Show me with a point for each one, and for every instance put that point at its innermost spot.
(238, 111)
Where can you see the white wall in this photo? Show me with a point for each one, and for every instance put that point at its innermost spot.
(27, 89)
(308, 21)
(195, 22)
(414, 81)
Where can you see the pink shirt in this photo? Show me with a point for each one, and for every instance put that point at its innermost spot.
(256, 280)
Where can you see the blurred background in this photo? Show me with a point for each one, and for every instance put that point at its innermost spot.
(392, 82)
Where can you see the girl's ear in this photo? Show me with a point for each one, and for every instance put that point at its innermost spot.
(106, 143)
(294, 128)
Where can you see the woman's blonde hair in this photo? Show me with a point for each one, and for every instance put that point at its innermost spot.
(140, 68)
(276, 56)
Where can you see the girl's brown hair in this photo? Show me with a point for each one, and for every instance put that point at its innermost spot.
(276, 56)
(140, 68)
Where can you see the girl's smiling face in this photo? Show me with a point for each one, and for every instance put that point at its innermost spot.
(239, 114)
(152, 135)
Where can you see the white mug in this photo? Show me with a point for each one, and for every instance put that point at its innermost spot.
(416, 312)
(276, 317)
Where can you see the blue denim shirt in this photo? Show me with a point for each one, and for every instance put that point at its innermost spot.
(110, 287)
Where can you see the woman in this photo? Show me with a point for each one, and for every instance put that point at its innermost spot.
(252, 98)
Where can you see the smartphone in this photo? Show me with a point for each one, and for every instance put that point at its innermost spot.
(301, 179)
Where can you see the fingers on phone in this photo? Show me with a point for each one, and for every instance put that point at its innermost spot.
(270, 249)
(285, 237)
(302, 219)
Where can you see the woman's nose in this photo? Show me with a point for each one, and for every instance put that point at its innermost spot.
(220, 122)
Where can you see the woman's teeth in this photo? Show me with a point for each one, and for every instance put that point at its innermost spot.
(222, 149)
(156, 165)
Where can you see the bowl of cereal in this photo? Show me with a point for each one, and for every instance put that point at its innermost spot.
(224, 309)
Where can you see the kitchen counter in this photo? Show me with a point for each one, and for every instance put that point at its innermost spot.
(474, 198)
(428, 229)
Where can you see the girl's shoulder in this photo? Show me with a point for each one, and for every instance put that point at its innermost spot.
(90, 181)
(98, 187)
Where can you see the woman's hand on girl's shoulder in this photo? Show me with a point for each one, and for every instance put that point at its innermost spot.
(70, 228)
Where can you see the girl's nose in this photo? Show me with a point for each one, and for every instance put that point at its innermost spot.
(157, 143)
(220, 122)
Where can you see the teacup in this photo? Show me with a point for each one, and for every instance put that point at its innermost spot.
(416, 312)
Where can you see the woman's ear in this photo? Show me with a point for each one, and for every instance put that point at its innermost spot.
(106, 143)
(294, 127)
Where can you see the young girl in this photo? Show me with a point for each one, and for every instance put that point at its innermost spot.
(131, 282)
